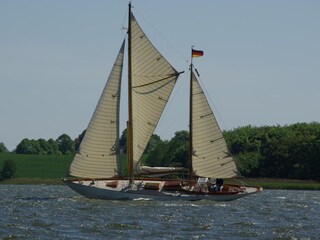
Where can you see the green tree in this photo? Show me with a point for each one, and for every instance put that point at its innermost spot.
(40, 146)
(54, 149)
(248, 163)
(156, 156)
(291, 151)
(78, 140)
(178, 150)
(9, 169)
(153, 142)
(44, 147)
(3, 148)
(65, 144)
(173, 153)
(24, 147)
(123, 141)
(314, 158)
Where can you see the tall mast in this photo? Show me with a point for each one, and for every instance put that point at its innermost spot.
(190, 122)
(129, 124)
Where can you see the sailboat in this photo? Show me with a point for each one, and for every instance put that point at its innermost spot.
(96, 168)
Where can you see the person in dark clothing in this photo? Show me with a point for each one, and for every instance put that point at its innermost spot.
(219, 183)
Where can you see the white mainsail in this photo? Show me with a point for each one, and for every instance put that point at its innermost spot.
(211, 157)
(97, 156)
(153, 79)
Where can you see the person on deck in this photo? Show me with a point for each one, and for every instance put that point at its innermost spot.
(219, 184)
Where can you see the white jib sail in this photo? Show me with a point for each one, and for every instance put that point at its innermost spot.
(211, 157)
(97, 156)
(153, 79)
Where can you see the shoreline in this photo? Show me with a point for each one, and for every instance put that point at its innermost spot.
(284, 184)
(266, 183)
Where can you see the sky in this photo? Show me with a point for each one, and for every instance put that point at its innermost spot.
(261, 63)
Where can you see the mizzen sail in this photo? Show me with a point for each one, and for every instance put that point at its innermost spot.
(98, 156)
(211, 157)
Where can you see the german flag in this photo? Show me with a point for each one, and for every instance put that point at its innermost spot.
(197, 53)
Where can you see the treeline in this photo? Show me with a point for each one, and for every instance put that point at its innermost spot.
(291, 151)
(63, 145)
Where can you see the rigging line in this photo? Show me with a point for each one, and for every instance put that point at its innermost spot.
(177, 89)
(162, 36)
(156, 89)
(209, 99)
(162, 79)
(125, 20)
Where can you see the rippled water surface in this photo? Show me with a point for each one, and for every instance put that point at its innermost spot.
(56, 212)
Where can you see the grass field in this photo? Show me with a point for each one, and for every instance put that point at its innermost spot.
(288, 184)
(49, 169)
(39, 166)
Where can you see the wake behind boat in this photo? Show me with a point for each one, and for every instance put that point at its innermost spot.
(151, 79)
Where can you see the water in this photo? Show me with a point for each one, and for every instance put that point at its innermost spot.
(56, 212)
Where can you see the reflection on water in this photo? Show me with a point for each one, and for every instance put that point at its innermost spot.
(56, 212)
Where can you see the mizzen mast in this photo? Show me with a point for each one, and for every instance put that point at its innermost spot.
(190, 121)
(194, 53)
